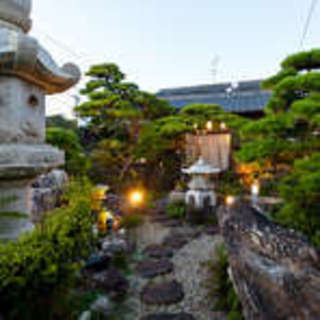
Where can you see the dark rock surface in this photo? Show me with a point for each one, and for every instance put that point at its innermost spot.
(176, 241)
(46, 192)
(111, 281)
(163, 293)
(158, 251)
(276, 272)
(97, 263)
(154, 268)
(212, 230)
(165, 316)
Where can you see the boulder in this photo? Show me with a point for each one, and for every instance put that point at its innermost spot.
(46, 192)
(165, 293)
(276, 272)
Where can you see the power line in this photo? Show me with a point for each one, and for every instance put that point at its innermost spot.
(308, 21)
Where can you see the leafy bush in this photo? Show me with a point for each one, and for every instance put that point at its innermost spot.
(221, 287)
(132, 220)
(301, 192)
(41, 263)
(68, 141)
(176, 210)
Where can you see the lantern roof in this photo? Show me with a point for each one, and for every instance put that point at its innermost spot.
(201, 167)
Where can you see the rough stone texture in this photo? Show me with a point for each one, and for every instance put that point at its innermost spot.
(163, 293)
(47, 191)
(154, 268)
(27, 74)
(191, 269)
(176, 242)
(165, 316)
(275, 271)
(111, 281)
(158, 251)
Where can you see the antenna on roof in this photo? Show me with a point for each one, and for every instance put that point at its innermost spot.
(214, 67)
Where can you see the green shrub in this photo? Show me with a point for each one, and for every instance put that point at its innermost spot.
(39, 264)
(176, 210)
(132, 220)
(221, 287)
(120, 260)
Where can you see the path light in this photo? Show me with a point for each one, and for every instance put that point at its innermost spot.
(209, 125)
(136, 197)
(255, 190)
(230, 201)
(223, 126)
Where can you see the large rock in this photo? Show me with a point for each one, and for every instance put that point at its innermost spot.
(276, 272)
(47, 190)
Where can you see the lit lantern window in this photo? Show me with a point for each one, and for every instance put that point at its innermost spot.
(209, 125)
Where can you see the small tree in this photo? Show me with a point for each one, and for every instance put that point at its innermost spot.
(114, 114)
(68, 141)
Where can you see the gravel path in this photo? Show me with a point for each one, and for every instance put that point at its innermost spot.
(190, 270)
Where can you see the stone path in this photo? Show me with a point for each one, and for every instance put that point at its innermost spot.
(171, 274)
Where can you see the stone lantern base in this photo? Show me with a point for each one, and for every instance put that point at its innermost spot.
(19, 165)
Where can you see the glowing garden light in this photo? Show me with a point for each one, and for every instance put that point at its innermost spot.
(209, 125)
(255, 190)
(136, 197)
(230, 201)
(223, 126)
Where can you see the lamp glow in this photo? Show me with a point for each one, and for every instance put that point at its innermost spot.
(255, 189)
(223, 126)
(230, 200)
(136, 197)
(209, 125)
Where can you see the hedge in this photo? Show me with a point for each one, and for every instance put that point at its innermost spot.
(33, 268)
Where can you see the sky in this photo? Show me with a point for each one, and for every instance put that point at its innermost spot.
(171, 43)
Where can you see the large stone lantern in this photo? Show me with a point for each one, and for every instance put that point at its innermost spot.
(201, 194)
(27, 74)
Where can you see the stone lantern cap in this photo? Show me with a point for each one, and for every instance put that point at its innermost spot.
(16, 13)
(201, 167)
(23, 57)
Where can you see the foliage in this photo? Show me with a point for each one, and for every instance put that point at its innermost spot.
(41, 263)
(301, 192)
(115, 113)
(132, 221)
(221, 287)
(120, 260)
(176, 210)
(59, 121)
(229, 184)
(68, 141)
(286, 144)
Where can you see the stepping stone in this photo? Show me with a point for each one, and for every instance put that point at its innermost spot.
(172, 223)
(158, 251)
(111, 281)
(212, 230)
(162, 293)
(154, 268)
(167, 316)
(176, 241)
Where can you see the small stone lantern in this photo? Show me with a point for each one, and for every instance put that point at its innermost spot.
(201, 194)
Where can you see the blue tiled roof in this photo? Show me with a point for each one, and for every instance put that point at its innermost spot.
(247, 97)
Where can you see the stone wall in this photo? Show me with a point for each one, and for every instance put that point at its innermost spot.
(276, 272)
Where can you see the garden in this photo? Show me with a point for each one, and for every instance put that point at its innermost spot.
(122, 244)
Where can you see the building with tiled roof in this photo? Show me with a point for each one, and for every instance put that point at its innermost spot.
(245, 97)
